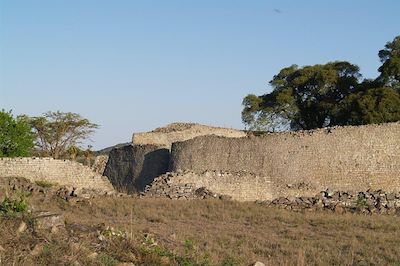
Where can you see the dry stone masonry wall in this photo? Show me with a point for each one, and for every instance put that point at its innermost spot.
(239, 186)
(293, 164)
(366, 202)
(100, 163)
(165, 136)
(166, 186)
(62, 172)
(130, 168)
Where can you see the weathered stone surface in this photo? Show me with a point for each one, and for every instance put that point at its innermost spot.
(22, 227)
(165, 136)
(163, 186)
(100, 163)
(37, 249)
(365, 202)
(60, 172)
(130, 168)
(240, 186)
(297, 163)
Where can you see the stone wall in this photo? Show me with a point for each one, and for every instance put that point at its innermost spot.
(100, 163)
(174, 132)
(238, 186)
(62, 172)
(296, 163)
(130, 168)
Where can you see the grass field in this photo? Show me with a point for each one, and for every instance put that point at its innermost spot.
(201, 232)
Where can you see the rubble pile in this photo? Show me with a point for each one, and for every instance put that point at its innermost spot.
(366, 202)
(162, 186)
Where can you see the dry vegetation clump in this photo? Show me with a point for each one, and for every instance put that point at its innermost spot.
(146, 231)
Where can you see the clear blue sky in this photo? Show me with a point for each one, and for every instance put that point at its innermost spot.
(136, 65)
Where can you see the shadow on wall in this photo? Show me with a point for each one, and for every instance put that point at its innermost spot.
(130, 168)
(155, 163)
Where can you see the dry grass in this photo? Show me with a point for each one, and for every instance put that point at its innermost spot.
(210, 232)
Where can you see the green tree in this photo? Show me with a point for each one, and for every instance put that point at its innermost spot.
(302, 98)
(371, 106)
(57, 131)
(16, 137)
(390, 69)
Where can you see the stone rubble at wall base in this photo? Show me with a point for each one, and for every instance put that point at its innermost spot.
(365, 202)
(163, 186)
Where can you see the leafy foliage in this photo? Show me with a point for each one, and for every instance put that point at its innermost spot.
(16, 137)
(390, 69)
(12, 206)
(371, 106)
(57, 132)
(328, 95)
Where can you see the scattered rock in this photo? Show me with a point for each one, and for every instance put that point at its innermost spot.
(22, 227)
(2, 249)
(258, 264)
(37, 249)
(165, 260)
(76, 263)
(92, 255)
(47, 220)
(163, 186)
(364, 202)
(339, 209)
(75, 247)
(55, 230)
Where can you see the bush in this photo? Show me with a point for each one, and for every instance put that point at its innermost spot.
(16, 137)
(12, 206)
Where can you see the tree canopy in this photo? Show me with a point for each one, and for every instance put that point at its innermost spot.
(327, 95)
(16, 137)
(390, 69)
(57, 132)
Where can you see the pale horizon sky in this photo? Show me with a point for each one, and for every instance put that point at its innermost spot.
(132, 66)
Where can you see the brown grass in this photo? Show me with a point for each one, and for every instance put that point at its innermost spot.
(211, 232)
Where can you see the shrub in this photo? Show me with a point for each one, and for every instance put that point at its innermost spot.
(12, 206)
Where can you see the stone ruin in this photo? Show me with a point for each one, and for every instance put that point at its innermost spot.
(185, 161)
(177, 160)
(132, 167)
(75, 177)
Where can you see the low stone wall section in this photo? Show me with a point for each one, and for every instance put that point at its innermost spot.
(61, 172)
(294, 163)
(239, 186)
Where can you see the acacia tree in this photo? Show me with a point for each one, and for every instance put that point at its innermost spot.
(57, 131)
(16, 137)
